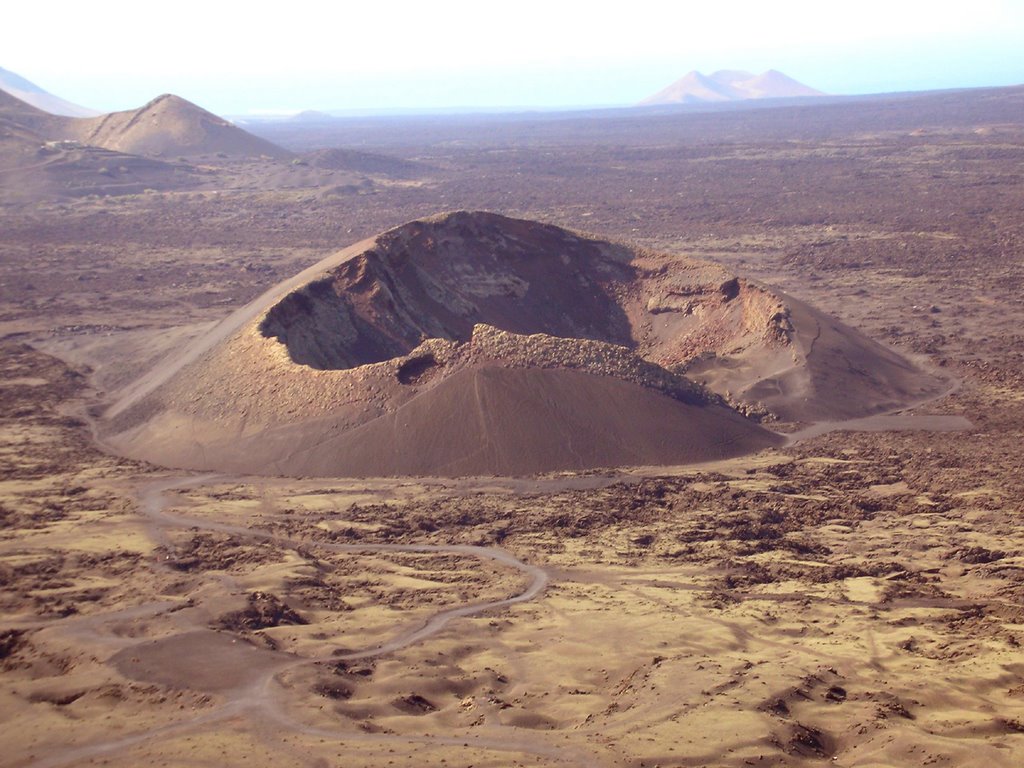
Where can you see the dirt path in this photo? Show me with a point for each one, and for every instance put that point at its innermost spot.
(257, 699)
(153, 504)
(899, 419)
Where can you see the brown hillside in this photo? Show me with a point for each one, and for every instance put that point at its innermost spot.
(45, 156)
(34, 164)
(171, 126)
(14, 110)
(472, 343)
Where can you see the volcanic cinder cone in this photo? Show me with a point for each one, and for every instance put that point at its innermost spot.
(171, 126)
(730, 85)
(472, 343)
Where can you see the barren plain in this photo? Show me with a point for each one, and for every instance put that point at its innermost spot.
(855, 597)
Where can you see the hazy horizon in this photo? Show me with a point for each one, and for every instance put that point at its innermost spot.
(233, 60)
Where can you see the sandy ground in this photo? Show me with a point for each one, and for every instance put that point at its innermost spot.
(834, 600)
(852, 599)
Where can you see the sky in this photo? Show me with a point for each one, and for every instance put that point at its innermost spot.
(240, 58)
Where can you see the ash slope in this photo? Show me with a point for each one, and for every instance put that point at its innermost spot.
(472, 343)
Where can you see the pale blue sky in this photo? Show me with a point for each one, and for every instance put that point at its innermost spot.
(235, 57)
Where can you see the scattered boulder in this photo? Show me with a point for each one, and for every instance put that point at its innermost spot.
(263, 610)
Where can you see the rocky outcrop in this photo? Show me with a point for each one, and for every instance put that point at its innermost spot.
(540, 350)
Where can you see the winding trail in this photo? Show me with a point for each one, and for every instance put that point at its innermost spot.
(153, 504)
(258, 700)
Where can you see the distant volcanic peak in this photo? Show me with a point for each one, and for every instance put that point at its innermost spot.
(730, 85)
(439, 277)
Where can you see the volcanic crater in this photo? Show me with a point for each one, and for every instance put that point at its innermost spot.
(474, 343)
